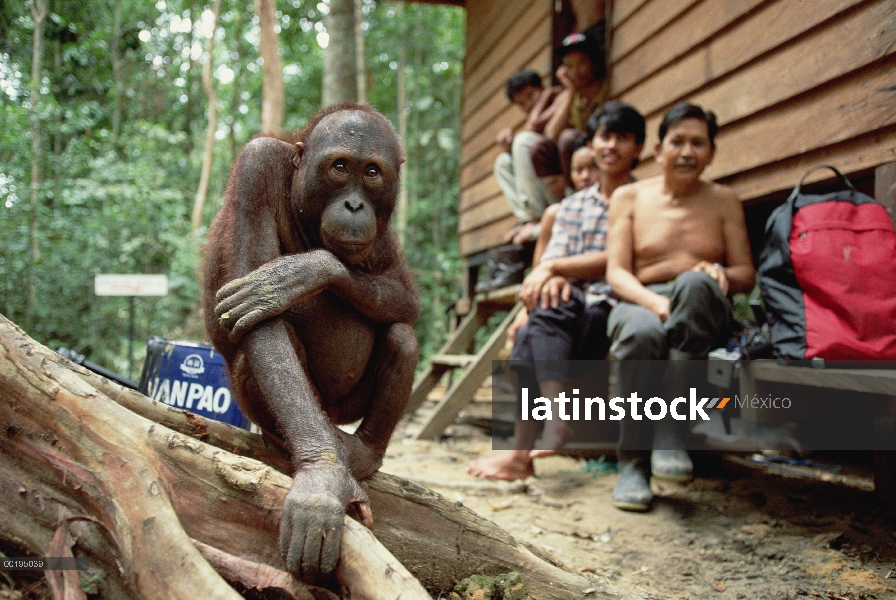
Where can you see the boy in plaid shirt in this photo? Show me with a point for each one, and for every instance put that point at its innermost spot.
(567, 299)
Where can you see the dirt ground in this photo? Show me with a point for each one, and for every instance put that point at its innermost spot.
(732, 533)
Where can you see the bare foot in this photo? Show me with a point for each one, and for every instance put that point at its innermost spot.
(552, 440)
(541, 453)
(508, 466)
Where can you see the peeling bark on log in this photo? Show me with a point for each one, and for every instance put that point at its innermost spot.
(149, 481)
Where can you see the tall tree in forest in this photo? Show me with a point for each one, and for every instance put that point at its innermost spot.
(401, 208)
(116, 72)
(339, 59)
(360, 63)
(190, 87)
(39, 10)
(238, 74)
(272, 97)
(208, 155)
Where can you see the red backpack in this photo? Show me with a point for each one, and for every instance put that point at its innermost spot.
(827, 273)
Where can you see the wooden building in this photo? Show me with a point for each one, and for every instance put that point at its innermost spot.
(794, 83)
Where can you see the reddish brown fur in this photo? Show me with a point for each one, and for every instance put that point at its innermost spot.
(307, 296)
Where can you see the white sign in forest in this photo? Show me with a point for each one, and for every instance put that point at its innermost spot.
(130, 285)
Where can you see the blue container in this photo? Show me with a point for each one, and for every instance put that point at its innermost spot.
(190, 376)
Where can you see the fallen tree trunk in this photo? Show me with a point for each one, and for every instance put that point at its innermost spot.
(143, 491)
(148, 484)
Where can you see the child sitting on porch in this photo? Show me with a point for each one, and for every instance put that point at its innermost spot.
(525, 191)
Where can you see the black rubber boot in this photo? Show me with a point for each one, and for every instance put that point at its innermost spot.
(669, 460)
(632, 490)
(506, 266)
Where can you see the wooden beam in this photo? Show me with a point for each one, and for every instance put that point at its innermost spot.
(885, 187)
(486, 237)
(481, 191)
(864, 152)
(484, 214)
(459, 342)
(453, 360)
(647, 22)
(874, 381)
(503, 298)
(623, 9)
(693, 29)
(767, 31)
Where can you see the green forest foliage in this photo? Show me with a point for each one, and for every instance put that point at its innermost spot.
(120, 201)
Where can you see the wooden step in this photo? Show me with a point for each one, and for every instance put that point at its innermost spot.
(504, 297)
(453, 360)
(467, 382)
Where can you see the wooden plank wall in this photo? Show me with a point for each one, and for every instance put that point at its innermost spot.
(794, 83)
(503, 36)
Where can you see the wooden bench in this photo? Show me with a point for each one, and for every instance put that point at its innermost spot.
(872, 381)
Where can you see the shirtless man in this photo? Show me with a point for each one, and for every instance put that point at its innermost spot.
(677, 247)
(567, 299)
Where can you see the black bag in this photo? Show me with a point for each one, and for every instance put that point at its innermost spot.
(827, 273)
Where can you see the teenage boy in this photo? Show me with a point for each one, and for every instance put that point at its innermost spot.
(567, 299)
(582, 74)
(524, 190)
